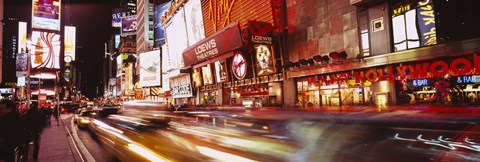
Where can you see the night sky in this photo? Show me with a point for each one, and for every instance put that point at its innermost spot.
(93, 21)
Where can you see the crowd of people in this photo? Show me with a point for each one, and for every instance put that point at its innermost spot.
(19, 129)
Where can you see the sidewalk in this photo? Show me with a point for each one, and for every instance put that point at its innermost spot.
(55, 145)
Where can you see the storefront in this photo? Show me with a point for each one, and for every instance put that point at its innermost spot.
(446, 80)
(233, 73)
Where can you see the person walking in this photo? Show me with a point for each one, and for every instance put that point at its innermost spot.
(56, 114)
(35, 122)
(48, 115)
(12, 131)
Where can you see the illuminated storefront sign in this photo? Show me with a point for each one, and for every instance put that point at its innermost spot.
(70, 39)
(46, 50)
(260, 32)
(468, 79)
(437, 69)
(217, 44)
(220, 13)
(46, 14)
(150, 69)
(128, 77)
(420, 82)
(181, 87)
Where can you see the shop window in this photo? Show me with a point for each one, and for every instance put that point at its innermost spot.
(413, 24)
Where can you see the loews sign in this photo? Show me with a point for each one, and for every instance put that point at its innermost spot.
(437, 69)
(219, 43)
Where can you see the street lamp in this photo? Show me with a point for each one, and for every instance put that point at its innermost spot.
(29, 66)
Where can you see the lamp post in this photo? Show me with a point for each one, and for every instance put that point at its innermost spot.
(29, 43)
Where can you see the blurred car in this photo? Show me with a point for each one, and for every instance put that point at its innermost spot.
(84, 118)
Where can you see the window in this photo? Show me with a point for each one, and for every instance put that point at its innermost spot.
(413, 24)
(363, 24)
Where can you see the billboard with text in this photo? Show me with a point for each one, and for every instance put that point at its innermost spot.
(150, 69)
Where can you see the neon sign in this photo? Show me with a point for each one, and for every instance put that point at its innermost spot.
(420, 82)
(468, 79)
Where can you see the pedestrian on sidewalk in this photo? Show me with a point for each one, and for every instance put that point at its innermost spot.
(12, 131)
(56, 114)
(35, 122)
(48, 115)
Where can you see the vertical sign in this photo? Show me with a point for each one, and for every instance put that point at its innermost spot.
(117, 40)
(159, 31)
(70, 39)
(22, 37)
(128, 77)
(46, 14)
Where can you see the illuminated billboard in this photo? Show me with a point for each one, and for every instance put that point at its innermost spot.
(118, 14)
(70, 39)
(194, 19)
(46, 50)
(22, 37)
(129, 25)
(177, 37)
(150, 69)
(159, 31)
(46, 14)
(117, 40)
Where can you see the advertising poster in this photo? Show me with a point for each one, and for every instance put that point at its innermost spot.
(150, 69)
(21, 64)
(70, 39)
(194, 20)
(46, 14)
(221, 74)
(197, 77)
(207, 75)
(118, 14)
(46, 50)
(265, 61)
(129, 25)
(159, 31)
(22, 37)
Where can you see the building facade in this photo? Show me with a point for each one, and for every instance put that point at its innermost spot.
(382, 52)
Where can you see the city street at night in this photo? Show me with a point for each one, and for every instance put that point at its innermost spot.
(239, 80)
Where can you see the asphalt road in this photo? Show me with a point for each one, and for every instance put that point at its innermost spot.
(94, 148)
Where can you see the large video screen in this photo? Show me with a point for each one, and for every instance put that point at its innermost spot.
(46, 50)
(159, 28)
(150, 69)
(194, 19)
(46, 14)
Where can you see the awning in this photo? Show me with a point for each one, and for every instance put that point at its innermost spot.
(219, 43)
